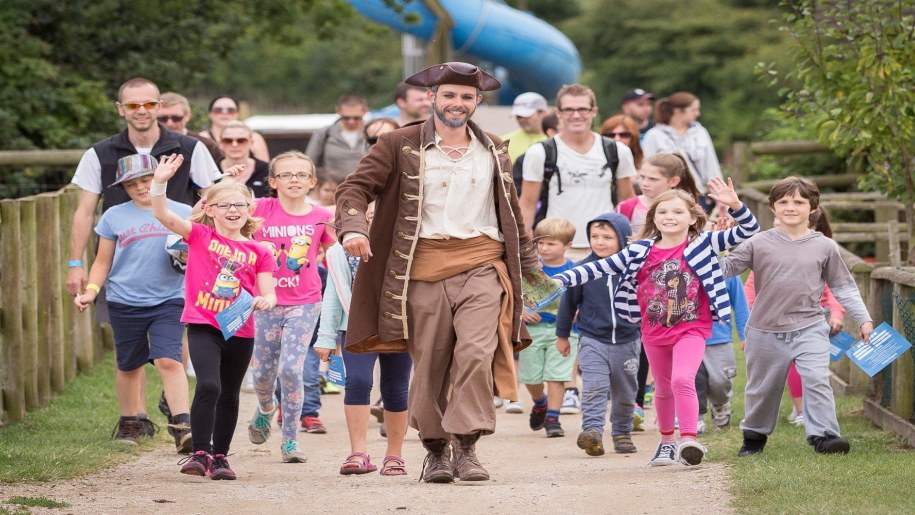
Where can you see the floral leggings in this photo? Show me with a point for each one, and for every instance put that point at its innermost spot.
(280, 348)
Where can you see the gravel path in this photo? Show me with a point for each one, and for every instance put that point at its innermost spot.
(529, 472)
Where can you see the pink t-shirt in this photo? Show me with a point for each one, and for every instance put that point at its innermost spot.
(672, 300)
(295, 241)
(635, 211)
(217, 270)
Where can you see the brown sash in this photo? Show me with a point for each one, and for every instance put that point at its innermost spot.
(435, 260)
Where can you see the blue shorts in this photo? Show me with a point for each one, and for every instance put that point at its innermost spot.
(143, 334)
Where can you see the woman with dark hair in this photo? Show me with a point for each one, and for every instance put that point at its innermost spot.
(624, 129)
(678, 131)
(223, 110)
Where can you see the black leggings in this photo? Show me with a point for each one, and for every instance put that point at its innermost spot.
(220, 366)
(642, 378)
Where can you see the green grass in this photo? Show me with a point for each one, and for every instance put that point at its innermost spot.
(72, 436)
(41, 502)
(788, 477)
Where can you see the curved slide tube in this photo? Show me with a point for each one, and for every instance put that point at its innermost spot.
(537, 56)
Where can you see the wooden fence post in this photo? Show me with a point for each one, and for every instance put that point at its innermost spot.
(903, 367)
(741, 153)
(11, 314)
(68, 201)
(50, 322)
(884, 212)
(29, 284)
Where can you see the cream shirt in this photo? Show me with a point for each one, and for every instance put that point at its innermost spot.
(458, 194)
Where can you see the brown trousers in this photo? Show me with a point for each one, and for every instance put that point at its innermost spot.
(453, 339)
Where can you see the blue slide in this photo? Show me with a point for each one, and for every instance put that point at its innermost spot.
(536, 55)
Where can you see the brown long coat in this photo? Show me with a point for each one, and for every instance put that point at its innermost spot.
(392, 174)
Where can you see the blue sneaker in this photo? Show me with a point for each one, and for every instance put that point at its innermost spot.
(638, 418)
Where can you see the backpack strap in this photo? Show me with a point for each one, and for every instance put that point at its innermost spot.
(549, 170)
(611, 153)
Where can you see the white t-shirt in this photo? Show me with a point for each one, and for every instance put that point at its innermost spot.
(88, 175)
(585, 182)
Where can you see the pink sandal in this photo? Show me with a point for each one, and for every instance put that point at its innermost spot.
(357, 463)
(399, 467)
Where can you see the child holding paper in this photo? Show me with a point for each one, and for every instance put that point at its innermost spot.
(395, 372)
(295, 229)
(792, 264)
(224, 266)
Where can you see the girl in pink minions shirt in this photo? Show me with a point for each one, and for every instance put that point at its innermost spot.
(223, 264)
(671, 266)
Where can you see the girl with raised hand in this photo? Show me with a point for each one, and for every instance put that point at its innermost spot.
(223, 262)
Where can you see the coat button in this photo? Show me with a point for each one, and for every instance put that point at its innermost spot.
(392, 273)
(403, 196)
(352, 211)
(401, 235)
(406, 150)
(387, 315)
(389, 295)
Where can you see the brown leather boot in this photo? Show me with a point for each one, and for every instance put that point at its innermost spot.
(437, 465)
(466, 465)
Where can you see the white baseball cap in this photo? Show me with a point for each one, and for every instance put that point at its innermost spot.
(528, 103)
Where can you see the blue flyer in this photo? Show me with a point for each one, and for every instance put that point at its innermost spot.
(838, 344)
(885, 346)
(232, 318)
(180, 245)
(336, 373)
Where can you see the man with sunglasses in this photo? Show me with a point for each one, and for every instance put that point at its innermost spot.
(441, 266)
(338, 148)
(175, 112)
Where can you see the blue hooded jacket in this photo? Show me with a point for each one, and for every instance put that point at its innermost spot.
(593, 301)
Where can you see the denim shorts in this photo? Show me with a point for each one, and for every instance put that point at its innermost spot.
(145, 333)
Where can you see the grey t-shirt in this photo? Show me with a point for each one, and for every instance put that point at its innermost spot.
(789, 276)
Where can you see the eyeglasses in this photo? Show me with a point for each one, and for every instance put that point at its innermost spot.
(371, 140)
(620, 135)
(234, 141)
(225, 206)
(165, 118)
(133, 106)
(224, 110)
(350, 118)
(287, 176)
(569, 111)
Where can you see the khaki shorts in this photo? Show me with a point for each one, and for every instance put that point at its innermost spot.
(541, 361)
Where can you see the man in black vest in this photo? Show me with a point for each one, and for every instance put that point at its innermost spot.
(138, 104)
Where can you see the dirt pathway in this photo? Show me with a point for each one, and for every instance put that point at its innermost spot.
(529, 471)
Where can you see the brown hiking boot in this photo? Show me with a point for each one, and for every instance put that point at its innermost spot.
(623, 444)
(127, 431)
(182, 434)
(467, 466)
(437, 465)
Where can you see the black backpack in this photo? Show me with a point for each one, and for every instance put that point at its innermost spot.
(550, 169)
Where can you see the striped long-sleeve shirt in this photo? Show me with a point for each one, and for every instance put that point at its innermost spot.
(701, 255)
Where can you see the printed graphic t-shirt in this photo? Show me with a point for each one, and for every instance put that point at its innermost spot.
(671, 298)
(295, 241)
(548, 313)
(217, 270)
(141, 271)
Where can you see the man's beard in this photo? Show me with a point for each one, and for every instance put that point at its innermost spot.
(455, 123)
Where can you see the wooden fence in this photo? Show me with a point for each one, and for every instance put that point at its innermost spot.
(44, 340)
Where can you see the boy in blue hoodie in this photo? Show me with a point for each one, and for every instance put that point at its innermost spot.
(608, 352)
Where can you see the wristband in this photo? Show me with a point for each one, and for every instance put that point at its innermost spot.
(94, 287)
(156, 189)
(75, 263)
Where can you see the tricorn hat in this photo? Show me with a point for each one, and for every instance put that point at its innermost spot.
(464, 74)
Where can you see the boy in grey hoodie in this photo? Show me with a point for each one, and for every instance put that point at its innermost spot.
(608, 354)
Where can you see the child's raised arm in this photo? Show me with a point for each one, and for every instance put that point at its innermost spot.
(612, 265)
(165, 171)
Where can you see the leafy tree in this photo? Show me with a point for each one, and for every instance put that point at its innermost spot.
(707, 47)
(853, 62)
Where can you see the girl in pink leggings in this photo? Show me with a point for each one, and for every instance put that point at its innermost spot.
(671, 283)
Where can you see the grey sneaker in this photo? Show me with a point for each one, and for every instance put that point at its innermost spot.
(622, 444)
(291, 452)
(553, 429)
(259, 427)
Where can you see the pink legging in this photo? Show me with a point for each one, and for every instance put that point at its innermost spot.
(674, 369)
(794, 382)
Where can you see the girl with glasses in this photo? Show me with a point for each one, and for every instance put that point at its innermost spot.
(224, 266)
(296, 231)
(235, 143)
(223, 110)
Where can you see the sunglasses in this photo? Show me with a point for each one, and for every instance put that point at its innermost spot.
(621, 135)
(350, 118)
(224, 110)
(371, 140)
(133, 106)
(234, 141)
(165, 118)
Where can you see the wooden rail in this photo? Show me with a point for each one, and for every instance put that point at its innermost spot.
(44, 340)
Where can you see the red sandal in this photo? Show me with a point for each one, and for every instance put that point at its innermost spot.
(399, 467)
(357, 463)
